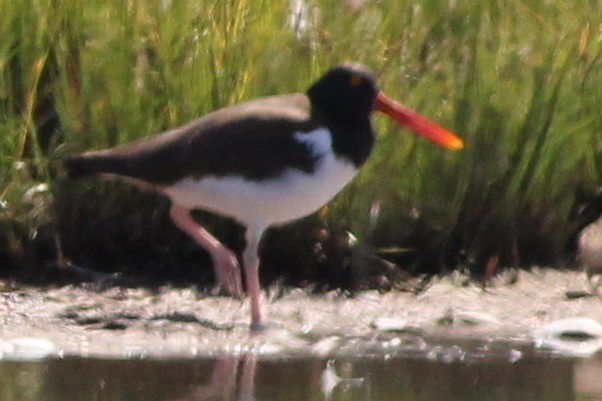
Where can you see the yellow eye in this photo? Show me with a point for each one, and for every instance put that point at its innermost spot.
(355, 80)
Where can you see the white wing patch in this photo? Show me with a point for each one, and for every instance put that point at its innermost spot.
(291, 195)
(318, 141)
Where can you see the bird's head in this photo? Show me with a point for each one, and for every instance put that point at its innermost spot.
(349, 91)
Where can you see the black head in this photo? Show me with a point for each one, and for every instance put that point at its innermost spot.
(347, 90)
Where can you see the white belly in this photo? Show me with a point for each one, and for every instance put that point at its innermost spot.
(291, 195)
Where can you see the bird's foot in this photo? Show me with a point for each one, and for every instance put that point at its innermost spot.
(270, 329)
(227, 273)
(259, 327)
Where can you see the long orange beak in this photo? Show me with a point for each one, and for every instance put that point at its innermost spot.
(416, 122)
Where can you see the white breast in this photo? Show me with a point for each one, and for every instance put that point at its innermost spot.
(291, 195)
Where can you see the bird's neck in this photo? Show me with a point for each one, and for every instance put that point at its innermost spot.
(352, 139)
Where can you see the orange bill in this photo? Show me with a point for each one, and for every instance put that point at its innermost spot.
(416, 122)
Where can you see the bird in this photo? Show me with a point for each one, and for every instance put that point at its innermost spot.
(589, 252)
(264, 162)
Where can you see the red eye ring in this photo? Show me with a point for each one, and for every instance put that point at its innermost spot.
(355, 80)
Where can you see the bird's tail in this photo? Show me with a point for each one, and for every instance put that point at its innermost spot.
(91, 163)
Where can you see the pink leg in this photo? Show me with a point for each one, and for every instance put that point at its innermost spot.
(247, 377)
(251, 266)
(227, 271)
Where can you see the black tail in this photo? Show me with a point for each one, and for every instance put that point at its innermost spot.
(90, 163)
(76, 167)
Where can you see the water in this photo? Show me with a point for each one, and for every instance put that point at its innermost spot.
(444, 372)
(448, 343)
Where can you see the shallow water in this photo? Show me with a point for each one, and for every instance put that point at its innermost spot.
(528, 341)
(445, 371)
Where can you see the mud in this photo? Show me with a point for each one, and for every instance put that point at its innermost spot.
(176, 322)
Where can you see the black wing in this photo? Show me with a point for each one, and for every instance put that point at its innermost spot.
(255, 140)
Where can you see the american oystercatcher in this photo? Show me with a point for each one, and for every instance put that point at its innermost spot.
(589, 253)
(264, 162)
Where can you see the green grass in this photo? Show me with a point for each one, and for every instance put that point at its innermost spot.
(520, 81)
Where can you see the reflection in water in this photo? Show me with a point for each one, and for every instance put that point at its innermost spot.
(223, 381)
(536, 376)
(331, 380)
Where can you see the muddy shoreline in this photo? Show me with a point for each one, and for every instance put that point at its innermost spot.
(182, 322)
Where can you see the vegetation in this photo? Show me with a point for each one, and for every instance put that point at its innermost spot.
(519, 80)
